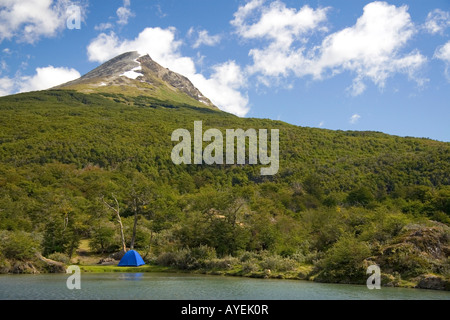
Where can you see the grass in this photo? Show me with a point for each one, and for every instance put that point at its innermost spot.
(86, 260)
(133, 88)
(144, 268)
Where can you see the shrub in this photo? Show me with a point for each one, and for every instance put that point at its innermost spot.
(227, 262)
(181, 259)
(278, 263)
(361, 196)
(203, 253)
(60, 257)
(299, 257)
(344, 261)
(5, 265)
(19, 245)
(166, 259)
(246, 256)
(250, 266)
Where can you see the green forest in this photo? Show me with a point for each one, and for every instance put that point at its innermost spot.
(72, 163)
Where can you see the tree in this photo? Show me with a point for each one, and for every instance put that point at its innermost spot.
(116, 210)
(312, 185)
(345, 260)
(361, 196)
(139, 198)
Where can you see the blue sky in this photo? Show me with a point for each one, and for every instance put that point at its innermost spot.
(348, 65)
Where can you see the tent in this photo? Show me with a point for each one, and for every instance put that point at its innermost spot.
(131, 259)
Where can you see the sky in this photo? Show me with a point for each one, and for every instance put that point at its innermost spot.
(340, 65)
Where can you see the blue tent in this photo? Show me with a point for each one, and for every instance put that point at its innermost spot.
(131, 259)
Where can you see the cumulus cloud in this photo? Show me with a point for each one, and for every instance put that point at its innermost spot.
(203, 38)
(277, 22)
(354, 118)
(222, 87)
(6, 86)
(46, 78)
(29, 20)
(443, 53)
(281, 26)
(437, 21)
(370, 49)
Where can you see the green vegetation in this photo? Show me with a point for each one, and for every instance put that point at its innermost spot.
(340, 202)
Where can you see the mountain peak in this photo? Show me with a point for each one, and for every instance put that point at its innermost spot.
(137, 74)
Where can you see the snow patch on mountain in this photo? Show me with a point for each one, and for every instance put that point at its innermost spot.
(132, 74)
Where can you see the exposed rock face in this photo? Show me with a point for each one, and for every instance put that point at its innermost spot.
(172, 78)
(415, 254)
(434, 283)
(132, 69)
(113, 68)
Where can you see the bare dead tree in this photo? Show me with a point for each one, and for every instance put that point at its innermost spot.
(119, 220)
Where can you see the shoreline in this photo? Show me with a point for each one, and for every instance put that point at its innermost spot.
(235, 273)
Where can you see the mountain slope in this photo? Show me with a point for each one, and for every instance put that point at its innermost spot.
(340, 200)
(134, 74)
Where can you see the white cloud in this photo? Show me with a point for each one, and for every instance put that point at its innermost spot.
(124, 13)
(355, 118)
(277, 22)
(203, 38)
(222, 88)
(6, 86)
(443, 53)
(437, 21)
(29, 20)
(159, 43)
(159, 11)
(283, 27)
(245, 11)
(46, 78)
(103, 26)
(371, 49)
(3, 66)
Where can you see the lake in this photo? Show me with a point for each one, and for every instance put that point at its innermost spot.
(168, 286)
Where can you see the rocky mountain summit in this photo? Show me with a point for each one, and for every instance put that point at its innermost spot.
(141, 73)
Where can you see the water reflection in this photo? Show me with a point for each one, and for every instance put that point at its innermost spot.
(131, 276)
(166, 286)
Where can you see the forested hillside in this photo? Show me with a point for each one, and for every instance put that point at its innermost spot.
(340, 201)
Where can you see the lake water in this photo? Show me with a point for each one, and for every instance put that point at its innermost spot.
(166, 286)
